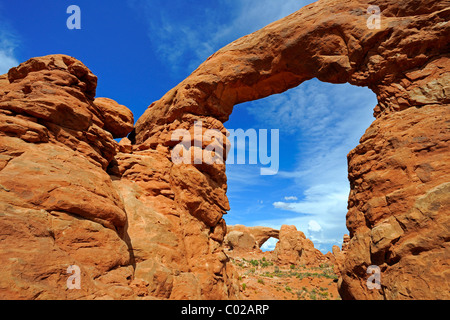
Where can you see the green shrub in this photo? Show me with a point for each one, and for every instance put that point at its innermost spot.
(265, 263)
(254, 263)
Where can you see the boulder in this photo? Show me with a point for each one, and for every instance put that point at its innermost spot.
(244, 238)
(295, 249)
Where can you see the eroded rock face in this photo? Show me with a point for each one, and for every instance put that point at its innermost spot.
(295, 249)
(71, 195)
(176, 255)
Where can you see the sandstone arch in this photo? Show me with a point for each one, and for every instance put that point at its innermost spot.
(403, 158)
(249, 238)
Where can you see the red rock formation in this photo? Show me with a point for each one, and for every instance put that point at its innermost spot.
(402, 161)
(176, 254)
(398, 207)
(118, 119)
(61, 207)
(295, 249)
(345, 242)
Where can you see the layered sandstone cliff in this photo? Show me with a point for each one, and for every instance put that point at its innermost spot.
(58, 204)
(139, 226)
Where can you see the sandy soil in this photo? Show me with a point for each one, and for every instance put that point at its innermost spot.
(262, 279)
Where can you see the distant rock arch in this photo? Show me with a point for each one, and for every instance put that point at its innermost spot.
(249, 238)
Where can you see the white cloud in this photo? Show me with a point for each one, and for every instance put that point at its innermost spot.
(245, 175)
(314, 226)
(185, 39)
(323, 121)
(269, 245)
(284, 206)
(317, 110)
(8, 44)
(318, 200)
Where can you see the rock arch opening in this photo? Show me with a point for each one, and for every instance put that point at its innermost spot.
(319, 124)
(269, 244)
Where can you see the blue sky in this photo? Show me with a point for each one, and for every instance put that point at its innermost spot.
(140, 49)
